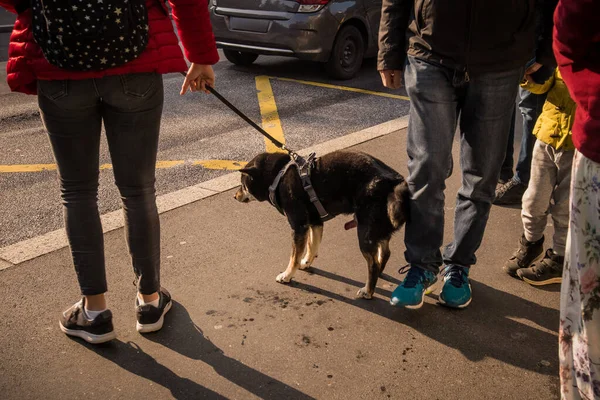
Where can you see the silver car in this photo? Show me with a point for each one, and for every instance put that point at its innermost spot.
(339, 33)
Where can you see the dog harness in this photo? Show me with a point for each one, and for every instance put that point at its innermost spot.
(304, 167)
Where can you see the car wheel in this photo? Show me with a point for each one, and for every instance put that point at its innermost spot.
(240, 57)
(347, 53)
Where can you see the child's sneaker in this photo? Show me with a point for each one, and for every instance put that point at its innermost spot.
(525, 255)
(150, 318)
(74, 322)
(546, 272)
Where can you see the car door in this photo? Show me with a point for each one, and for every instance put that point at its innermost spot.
(373, 15)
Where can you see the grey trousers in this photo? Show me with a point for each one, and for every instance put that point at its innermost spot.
(548, 193)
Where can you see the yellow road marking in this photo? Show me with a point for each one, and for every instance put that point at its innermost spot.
(346, 88)
(27, 168)
(208, 164)
(268, 111)
(221, 164)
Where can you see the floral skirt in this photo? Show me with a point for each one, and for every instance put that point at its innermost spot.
(579, 332)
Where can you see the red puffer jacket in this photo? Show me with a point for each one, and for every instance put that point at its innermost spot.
(577, 50)
(26, 63)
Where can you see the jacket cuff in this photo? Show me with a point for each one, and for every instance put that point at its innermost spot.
(391, 60)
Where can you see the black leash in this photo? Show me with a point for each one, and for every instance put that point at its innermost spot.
(249, 121)
(303, 165)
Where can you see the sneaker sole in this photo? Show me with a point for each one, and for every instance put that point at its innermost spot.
(441, 301)
(542, 283)
(147, 328)
(88, 337)
(429, 290)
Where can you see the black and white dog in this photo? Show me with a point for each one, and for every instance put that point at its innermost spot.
(346, 183)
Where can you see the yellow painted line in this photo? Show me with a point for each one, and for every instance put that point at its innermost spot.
(346, 88)
(221, 164)
(27, 168)
(208, 164)
(268, 111)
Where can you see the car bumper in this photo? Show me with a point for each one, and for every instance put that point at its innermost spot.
(306, 36)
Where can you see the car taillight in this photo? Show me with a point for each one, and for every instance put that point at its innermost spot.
(307, 6)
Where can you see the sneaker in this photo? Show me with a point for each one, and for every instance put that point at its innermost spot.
(150, 318)
(546, 272)
(412, 290)
(456, 292)
(510, 193)
(525, 255)
(74, 322)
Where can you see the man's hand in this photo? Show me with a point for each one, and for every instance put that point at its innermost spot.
(197, 77)
(391, 78)
(531, 70)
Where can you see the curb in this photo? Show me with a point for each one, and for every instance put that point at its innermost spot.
(29, 249)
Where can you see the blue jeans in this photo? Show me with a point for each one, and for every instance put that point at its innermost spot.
(530, 106)
(485, 104)
(130, 106)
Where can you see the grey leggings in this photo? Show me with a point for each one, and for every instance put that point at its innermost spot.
(130, 107)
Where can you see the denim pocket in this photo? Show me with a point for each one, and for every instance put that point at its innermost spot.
(139, 85)
(53, 90)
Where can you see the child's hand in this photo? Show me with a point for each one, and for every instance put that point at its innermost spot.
(197, 77)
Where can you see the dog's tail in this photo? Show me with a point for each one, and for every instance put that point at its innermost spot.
(397, 205)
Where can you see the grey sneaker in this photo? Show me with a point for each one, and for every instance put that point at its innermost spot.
(511, 193)
(525, 255)
(546, 272)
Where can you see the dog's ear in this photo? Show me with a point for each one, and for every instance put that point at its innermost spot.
(252, 171)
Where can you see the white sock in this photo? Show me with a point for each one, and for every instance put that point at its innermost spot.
(153, 303)
(90, 314)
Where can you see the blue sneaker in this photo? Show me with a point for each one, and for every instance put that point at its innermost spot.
(456, 292)
(417, 283)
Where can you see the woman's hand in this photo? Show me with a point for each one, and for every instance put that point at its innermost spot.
(197, 77)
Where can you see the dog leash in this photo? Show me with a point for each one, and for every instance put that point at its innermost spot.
(302, 165)
(249, 121)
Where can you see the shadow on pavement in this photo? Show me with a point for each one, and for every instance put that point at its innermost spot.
(489, 327)
(132, 358)
(187, 339)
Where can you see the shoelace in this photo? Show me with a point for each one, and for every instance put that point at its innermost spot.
(455, 275)
(506, 187)
(414, 276)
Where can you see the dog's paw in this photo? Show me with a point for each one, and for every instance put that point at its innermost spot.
(283, 278)
(305, 264)
(364, 293)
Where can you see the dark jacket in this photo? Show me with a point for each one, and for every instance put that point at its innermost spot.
(471, 35)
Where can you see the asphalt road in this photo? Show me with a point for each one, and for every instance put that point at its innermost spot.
(194, 127)
(235, 333)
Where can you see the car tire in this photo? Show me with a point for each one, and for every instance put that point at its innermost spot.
(347, 54)
(240, 57)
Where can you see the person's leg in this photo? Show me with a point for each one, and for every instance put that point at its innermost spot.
(560, 206)
(531, 106)
(579, 329)
(71, 114)
(431, 128)
(132, 109)
(536, 201)
(506, 172)
(550, 182)
(484, 123)
(534, 215)
(512, 191)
